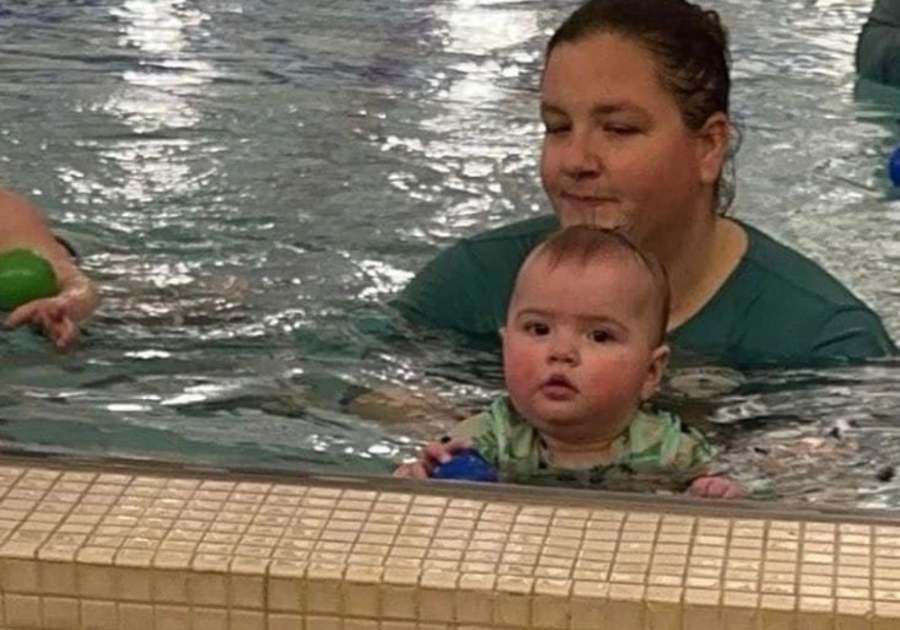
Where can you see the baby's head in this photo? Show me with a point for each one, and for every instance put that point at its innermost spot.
(584, 341)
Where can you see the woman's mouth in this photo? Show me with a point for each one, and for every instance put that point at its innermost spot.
(590, 210)
(583, 200)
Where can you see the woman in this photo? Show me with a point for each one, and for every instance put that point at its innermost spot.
(634, 99)
(21, 225)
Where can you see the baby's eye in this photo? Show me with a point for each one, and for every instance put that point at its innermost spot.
(600, 336)
(537, 329)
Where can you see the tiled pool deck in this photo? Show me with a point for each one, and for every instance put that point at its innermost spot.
(99, 546)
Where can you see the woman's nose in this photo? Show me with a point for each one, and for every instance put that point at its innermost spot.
(581, 155)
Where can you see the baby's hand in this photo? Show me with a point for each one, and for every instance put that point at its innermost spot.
(716, 487)
(432, 455)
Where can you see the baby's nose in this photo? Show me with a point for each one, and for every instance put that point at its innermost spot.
(563, 351)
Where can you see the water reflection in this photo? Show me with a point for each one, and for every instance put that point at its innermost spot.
(157, 97)
(482, 129)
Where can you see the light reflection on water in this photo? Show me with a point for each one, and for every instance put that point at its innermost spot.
(250, 181)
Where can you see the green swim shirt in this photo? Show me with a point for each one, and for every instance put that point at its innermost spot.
(654, 448)
(777, 307)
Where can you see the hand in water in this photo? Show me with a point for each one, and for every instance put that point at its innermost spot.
(51, 317)
(716, 487)
(432, 455)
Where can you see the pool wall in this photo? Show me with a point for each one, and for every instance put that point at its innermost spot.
(101, 547)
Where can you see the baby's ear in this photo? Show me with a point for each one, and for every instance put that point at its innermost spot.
(657, 366)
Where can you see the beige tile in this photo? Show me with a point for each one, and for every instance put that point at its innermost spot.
(132, 584)
(589, 605)
(58, 578)
(550, 605)
(887, 616)
(209, 618)
(361, 590)
(285, 586)
(284, 621)
(246, 583)
(437, 595)
(60, 613)
(475, 597)
(702, 608)
(360, 624)
(664, 608)
(398, 597)
(96, 581)
(320, 622)
(512, 603)
(853, 614)
(22, 611)
(19, 576)
(172, 617)
(815, 613)
(324, 588)
(207, 589)
(740, 611)
(626, 606)
(241, 619)
(170, 587)
(99, 614)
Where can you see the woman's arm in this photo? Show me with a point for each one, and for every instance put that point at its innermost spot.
(22, 226)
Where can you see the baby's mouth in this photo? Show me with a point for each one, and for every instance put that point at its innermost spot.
(558, 387)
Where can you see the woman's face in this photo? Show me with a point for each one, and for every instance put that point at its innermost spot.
(616, 152)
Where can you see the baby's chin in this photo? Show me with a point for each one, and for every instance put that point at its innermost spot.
(558, 418)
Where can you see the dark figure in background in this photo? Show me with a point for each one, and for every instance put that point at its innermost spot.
(878, 48)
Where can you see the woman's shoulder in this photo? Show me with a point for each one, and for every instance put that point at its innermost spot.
(780, 306)
(783, 271)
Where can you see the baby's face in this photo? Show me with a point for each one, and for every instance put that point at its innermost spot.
(580, 346)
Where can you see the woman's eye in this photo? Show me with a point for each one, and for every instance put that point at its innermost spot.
(555, 128)
(600, 336)
(621, 130)
(537, 328)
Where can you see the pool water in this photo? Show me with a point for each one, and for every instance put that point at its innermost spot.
(251, 181)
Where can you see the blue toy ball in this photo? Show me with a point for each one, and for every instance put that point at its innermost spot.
(894, 167)
(466, 465)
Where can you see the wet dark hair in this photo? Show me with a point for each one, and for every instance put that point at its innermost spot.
(584, 244)
(690, 46)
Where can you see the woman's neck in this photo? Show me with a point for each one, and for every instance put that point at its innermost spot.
(698, 261)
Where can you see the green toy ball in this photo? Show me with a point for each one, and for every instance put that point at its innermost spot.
(25, 276)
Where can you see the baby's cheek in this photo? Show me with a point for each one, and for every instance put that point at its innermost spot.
(519, 372)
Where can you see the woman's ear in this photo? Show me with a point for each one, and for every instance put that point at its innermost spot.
(655, 371)
(713, 141)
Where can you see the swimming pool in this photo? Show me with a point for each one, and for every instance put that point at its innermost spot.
(251, 181)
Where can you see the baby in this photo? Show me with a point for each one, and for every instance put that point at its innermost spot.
(583, 348)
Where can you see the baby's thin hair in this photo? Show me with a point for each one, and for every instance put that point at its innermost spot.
(583, 244)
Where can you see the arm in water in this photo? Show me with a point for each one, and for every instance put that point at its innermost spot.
(22, 226)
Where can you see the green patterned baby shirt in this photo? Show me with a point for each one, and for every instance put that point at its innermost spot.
(655, 449)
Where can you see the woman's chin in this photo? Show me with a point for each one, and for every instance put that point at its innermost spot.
(595, 217)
